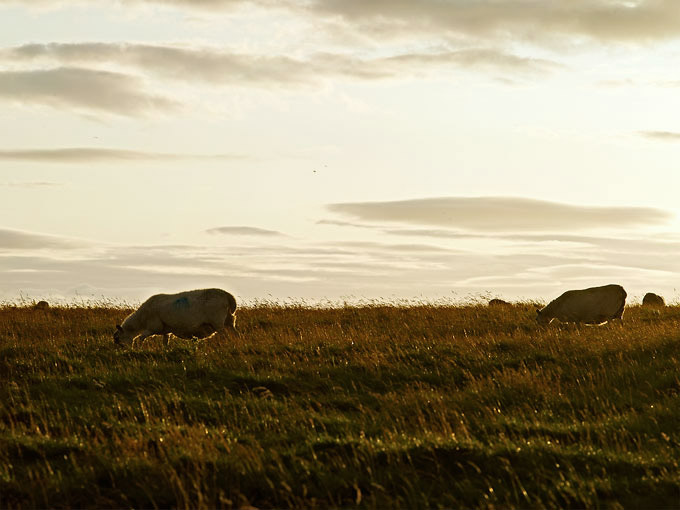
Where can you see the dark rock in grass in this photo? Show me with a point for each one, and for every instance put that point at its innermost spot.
(653, 300)
(41, 305)
(498, 302)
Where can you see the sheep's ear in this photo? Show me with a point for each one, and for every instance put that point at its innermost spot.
(119, 328)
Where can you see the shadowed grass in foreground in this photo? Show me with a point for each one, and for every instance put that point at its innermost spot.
(376, 406)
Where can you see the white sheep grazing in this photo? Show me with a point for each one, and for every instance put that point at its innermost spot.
(189, 314)
(590, 306)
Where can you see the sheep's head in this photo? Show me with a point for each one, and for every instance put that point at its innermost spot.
(542, 318)
(120, 337)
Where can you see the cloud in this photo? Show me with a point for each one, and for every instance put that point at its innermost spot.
(212, 5)
(623, 21)
(19, 240)
(477, 58)
(665, 136)
(216, 66)
(317, 271)
(602, 20)
(84, 89)
(339, 223)
(28, 184)
(647, 252)
(500, 214)
(245, 231)
(380, 247)
(93, 155)
(602, 242)
(204, 5)
(178, 63)
(339, 270)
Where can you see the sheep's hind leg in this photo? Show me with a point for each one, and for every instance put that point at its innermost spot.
(230, 324)
(204, 331)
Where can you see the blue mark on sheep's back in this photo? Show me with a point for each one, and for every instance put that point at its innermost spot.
(182, 302)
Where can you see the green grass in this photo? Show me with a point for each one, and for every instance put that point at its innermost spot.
(375, 406)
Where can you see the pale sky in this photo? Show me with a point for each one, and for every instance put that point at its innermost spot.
(338, 149)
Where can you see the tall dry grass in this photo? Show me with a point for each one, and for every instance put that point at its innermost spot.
(374, 406)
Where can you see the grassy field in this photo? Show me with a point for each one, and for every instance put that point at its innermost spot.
(374, 406)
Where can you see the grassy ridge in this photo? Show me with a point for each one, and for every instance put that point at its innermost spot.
(375, 406)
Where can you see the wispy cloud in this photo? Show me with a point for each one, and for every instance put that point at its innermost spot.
(40, 265)
(11, 239)
(340, 223)
(218, 66)
(634, 21)
(123, 78)
(501, 214)
(93, 155)
(199, 5)
(83, 89)
(602, 20)
(245, 231)
(31, 184)
(664, 136)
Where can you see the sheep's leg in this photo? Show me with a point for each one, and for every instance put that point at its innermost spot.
(230, 323)
(140, 339)
(207, 330)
